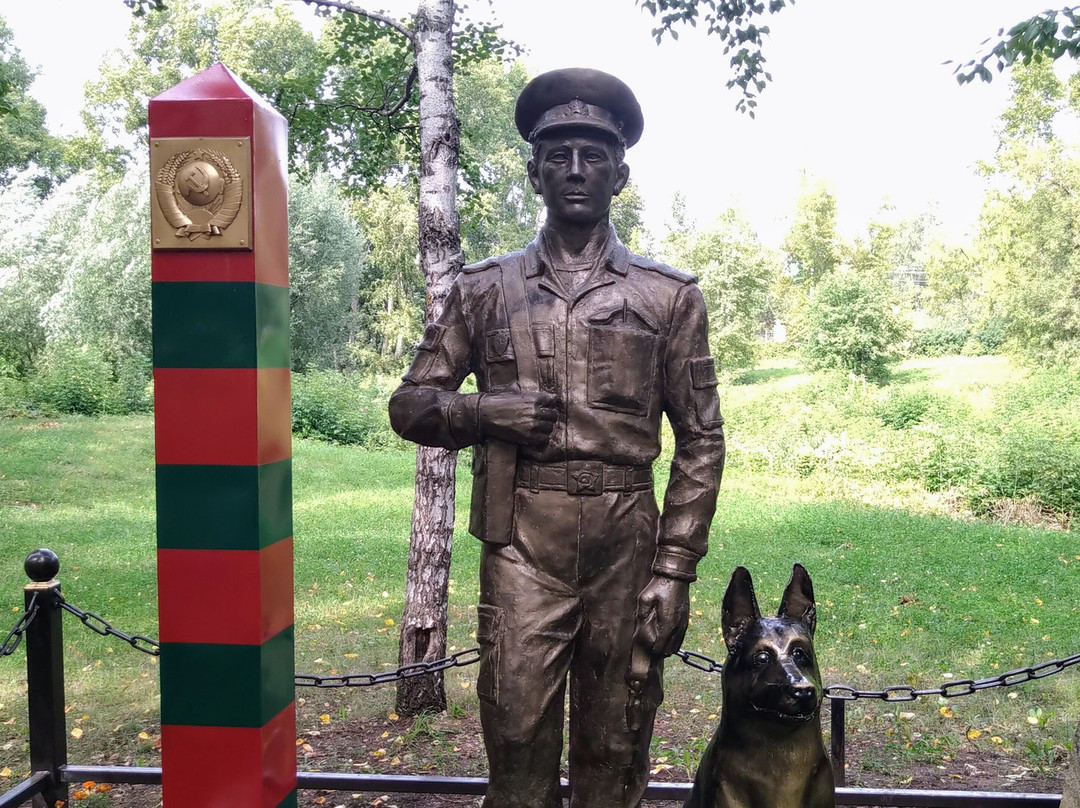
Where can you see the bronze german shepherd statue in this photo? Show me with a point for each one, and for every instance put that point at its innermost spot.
(767, 751)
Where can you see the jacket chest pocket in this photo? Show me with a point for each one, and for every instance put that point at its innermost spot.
(622, 367)
(544, 341)
(499, 359)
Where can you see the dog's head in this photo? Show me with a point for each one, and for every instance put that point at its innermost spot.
(771, 669)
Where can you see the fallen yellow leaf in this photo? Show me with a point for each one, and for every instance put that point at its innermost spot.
(947, 711)
(325, 718)
(972, 734)
(76, 733)
(5, 772)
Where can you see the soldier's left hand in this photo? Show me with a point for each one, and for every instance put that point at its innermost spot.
(663, 615)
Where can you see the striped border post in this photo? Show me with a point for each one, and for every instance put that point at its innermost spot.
(224, 475)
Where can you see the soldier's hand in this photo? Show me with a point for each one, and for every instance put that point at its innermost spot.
(524, 417)
(663, 615)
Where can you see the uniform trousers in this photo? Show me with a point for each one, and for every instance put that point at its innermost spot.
(561, 601)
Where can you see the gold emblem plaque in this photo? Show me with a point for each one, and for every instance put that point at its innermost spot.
(201, 195)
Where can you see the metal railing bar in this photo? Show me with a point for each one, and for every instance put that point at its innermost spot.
(925, 798)
(134, 775)
(412, 784)
(26, 790)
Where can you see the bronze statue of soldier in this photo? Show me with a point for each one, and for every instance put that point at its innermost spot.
(578, 347)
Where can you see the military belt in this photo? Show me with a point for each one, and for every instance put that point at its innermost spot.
(583, 477)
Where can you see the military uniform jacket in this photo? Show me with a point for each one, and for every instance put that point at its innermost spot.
(628, 344)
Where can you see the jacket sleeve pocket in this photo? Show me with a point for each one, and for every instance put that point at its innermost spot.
(706, 401)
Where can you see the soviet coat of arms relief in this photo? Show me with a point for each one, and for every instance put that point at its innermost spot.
(200, 192)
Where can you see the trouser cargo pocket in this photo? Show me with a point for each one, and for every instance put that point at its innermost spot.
(489, 635)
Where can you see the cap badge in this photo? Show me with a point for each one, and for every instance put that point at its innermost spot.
(577, 106)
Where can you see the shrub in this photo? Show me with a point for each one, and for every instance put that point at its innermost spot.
(992, 334)
(72, 379)
(852, 324)
(343, 408)
(904, 408)
(942, 341)
(1036, 450)
(13, 397)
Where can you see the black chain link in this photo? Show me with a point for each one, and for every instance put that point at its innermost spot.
(99, 625)
(899, 693)
(699, 661)
(14, 637)
(469, 656)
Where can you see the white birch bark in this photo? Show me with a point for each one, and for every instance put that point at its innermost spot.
(423, 624)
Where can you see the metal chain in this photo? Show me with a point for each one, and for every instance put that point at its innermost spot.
(459, 660)
(699, 661)
(470, 656)
(11, 641)
(948, 690)
(958, 687)
(99, 625)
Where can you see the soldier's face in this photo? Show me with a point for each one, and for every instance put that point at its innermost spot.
(577, 173)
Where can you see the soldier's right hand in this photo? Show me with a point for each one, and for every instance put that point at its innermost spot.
(523, 417)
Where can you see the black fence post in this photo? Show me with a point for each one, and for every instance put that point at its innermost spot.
(45, 673)
(836, 742)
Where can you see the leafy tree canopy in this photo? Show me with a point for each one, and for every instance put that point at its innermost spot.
(812, 245)
(736, 22)
(24, 140)
(1049, 34)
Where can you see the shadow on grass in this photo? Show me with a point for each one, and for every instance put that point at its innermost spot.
(909, 376)
(759, 375)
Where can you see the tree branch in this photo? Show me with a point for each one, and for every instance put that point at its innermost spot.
(379, 17)
(385, 109)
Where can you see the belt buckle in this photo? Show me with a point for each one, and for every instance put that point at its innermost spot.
(585, 478)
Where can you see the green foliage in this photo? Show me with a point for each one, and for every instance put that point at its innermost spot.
(261, 41)
(1037, 443)
(37, 241)
(391, 302)
(905, 409)
(941, 341)
(73, 379)
(343, 408)
(325, 264)
(735, 272)
(499, 209)
(25, 143)
(1028, 233)
(736, 23)
(853, 324)
(812, 245)
(102, 297)
(1051, 34)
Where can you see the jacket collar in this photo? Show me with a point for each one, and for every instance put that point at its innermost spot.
(615, 256)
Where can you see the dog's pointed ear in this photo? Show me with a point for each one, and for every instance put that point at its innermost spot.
(740, 605)
(798, 601)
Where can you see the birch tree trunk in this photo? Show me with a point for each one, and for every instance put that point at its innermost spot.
(423, 624)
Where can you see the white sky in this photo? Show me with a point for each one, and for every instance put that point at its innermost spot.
(859, 98)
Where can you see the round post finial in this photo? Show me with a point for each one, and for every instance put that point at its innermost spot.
(41, 565)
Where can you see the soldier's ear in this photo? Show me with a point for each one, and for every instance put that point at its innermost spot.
(534, 175)
(740, 606)
(622, 177)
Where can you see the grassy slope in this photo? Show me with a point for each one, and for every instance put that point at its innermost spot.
(903, 598)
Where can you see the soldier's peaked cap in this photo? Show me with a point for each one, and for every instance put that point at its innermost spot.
(575, 98)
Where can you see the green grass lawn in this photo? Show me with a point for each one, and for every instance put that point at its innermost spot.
(906, 595)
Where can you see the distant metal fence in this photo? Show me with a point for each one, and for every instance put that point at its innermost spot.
(40, 625)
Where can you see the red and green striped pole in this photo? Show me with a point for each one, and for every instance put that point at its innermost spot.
(223, 446)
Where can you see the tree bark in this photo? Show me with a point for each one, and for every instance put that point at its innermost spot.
(423, 624)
